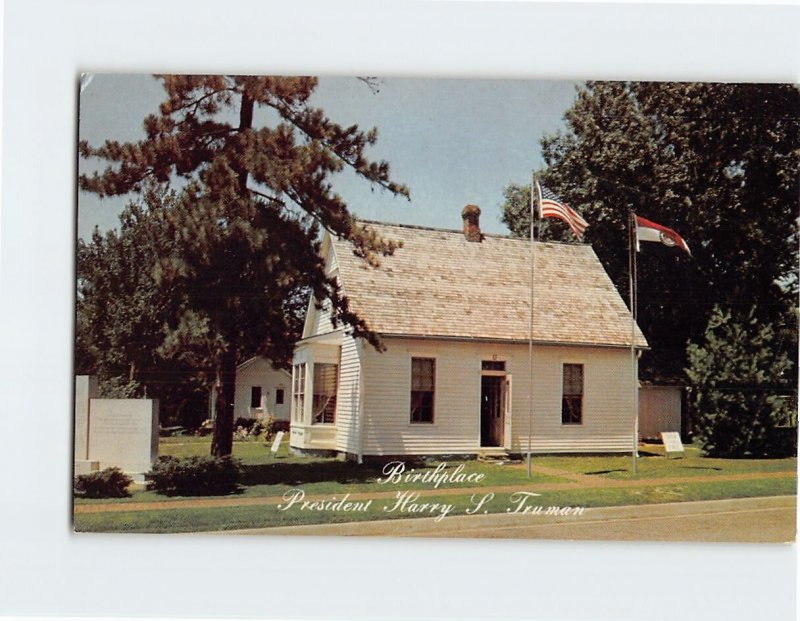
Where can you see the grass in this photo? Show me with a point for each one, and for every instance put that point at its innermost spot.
(268, 476)
(232, 518)
(653, 464)
(265, 475)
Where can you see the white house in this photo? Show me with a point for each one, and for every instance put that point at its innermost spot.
(453, 311)
(261, 390)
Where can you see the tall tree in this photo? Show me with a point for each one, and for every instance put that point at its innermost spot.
(720, 163)
(120, 310)
(245, 232)
(123, 313)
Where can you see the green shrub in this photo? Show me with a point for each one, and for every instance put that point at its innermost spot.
(244, 423)
(273, 426)
(108, 483)
(195, 476)
(251, 428)
(260, 425)
(737, 375)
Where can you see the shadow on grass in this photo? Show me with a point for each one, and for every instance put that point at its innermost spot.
(317, 472)
(701, 468)
(606, 471)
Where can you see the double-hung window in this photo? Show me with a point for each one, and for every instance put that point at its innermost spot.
(572, 395)
(324, 402)
(423, 386)
(298, 391)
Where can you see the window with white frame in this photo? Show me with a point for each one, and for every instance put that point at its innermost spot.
(298, 390)
(572, 394)
(324, 400)
(423, 388)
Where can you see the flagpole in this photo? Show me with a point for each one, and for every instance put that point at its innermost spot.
(634, 364)
(530, 336)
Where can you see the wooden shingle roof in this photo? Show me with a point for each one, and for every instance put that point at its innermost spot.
(441, 285)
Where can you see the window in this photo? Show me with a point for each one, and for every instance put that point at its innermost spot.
(279, 396)
(423, 382)
(572, 395)
(493, 365)
(298, 391)
(255, 396)
(324, 402)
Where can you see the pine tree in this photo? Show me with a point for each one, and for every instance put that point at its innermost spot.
(243, 237)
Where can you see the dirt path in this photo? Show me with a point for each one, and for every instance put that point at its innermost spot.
(576, 481)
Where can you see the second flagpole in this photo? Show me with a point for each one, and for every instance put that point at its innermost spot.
(634, 366)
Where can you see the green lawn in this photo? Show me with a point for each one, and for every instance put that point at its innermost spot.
(266, 475)
(652, 463)
(269, 476)
(232, 518)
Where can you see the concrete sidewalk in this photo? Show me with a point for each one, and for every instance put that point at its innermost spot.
(753, 520)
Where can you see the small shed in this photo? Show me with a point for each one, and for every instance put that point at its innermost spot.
(659, 410)
(261, 390)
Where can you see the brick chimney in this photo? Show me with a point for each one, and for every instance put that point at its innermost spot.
(472, 229)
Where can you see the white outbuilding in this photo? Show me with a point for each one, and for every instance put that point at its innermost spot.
(261, 390)
(452, 309)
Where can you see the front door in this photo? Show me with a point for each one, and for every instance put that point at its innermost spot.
(492, 406)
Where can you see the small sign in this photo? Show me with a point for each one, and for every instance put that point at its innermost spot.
(276, 442)
(672, 442)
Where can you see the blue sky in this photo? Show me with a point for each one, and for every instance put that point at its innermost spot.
(452, 141)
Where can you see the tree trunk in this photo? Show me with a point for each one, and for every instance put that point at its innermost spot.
(245, 123)
(222, 442)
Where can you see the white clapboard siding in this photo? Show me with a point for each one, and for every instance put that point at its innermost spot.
(259, 371)
(319, 321)
(608, 399)
(322, 323)
(347, 397)
(387, 395)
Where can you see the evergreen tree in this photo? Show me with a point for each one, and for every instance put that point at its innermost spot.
(741, 379)
(242, 239)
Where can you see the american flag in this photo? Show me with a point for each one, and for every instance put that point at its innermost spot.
(551, 206)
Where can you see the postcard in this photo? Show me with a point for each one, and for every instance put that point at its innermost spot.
(418, 307)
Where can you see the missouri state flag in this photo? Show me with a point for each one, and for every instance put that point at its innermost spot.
(647, 230)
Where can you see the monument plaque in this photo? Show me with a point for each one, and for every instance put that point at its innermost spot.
(276, 443)
(672, 442)
(124, 433)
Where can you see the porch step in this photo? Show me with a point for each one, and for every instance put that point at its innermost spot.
(494, 456)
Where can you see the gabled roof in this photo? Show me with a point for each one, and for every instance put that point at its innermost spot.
(441, 285)
(242, 366)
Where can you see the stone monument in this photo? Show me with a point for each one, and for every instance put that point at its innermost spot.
(85, 390)
(120, 433)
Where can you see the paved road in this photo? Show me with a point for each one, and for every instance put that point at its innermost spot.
(762, 520)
